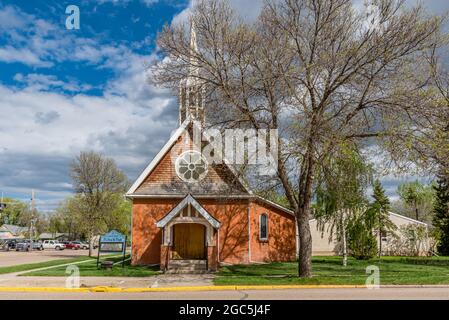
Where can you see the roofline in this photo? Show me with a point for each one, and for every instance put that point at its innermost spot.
(274, 204)
(397, 215)
(159, 156)
(167, 147)
(182, 196)
(407, 218)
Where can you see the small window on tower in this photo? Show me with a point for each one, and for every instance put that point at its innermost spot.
(183, 97)
(192, 98)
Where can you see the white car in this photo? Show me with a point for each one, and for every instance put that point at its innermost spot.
(53, 244)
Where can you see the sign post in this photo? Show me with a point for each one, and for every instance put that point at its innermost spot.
(112, 241)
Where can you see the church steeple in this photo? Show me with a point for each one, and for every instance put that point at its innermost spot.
(191, 95)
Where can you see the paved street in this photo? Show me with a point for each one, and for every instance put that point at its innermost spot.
(11, 258)
(296, 294)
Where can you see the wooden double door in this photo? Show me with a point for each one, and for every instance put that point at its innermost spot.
(189, 242)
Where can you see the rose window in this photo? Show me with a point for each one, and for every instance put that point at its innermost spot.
(191, 166)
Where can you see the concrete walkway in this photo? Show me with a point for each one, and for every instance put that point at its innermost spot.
(159, 281)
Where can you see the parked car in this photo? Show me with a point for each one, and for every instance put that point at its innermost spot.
(25, 245)
(71, 245)
(7, 245)
(81, 244)
(53, 244)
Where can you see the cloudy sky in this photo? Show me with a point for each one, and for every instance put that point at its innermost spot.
(63, 91)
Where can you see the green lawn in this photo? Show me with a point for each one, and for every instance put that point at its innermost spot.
(89, 269)
(328, 270)
(31, 266)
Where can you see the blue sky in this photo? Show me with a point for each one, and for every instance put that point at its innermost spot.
(63, 91)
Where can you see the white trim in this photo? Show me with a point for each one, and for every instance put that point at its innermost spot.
(407, 218)
(182, 196)
(249, 232)
(278, 206)
(230, 196)
(188, 200)
(158, 157)
(396, 215)
(189, 120)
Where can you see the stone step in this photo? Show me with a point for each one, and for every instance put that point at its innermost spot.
(188, 262)
(187, 267)
(177, 271)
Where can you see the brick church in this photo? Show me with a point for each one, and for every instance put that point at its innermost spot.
(191, 215)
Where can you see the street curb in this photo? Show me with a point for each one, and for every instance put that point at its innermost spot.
(106, 289)
(172, 289)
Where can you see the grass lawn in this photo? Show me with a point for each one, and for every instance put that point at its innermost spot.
(89, 269)
(329, 270)
(31, 266)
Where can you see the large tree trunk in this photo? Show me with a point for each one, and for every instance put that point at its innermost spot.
(303, 217)
(305, 245)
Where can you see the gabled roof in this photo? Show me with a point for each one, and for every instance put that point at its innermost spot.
(407, 218)
(15, 230)
(165, 149)
(186, 201)
(48, 235)
(396, 215)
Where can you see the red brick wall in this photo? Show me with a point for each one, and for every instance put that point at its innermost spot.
(232, 240)
(281, 243)
(146, 237)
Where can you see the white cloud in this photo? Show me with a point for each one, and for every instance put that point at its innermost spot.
(43, 129)
(10, 54)
(43, 82)
(248, 10)
(125, 2)
(39, 43)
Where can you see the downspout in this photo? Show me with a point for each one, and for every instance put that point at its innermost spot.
(131, 233)
(249, 232)
(218, 246)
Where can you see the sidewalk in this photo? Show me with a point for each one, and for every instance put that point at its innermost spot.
(159, 281)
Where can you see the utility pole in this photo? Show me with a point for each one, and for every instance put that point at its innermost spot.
(2, 206)
(33, 211)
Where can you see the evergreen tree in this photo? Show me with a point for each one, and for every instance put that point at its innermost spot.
(378, 213)
(441, 210)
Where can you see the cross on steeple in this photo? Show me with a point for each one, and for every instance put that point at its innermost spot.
(191, 95)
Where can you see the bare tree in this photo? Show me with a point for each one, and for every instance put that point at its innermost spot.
(97, 181)
(321, 71)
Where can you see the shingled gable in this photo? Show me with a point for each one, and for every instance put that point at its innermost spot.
(142, 187)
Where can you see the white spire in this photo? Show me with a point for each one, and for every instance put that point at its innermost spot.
(193, 70)
(191, 92)
(193, 41)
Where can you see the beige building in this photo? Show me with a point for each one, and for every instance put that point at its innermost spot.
(410, 238)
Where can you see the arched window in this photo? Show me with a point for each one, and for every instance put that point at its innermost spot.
(263, 227)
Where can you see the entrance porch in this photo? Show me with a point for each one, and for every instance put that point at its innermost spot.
(189, 239)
